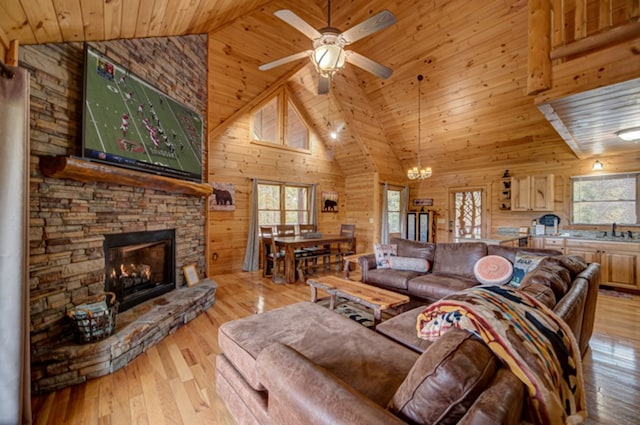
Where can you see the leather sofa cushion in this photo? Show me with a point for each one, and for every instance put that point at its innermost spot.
(408, 248)
(571, 307)
(500, 404)
(555, 277)
(359, 356)
(446, 380)
(391, 278)
(402, 329)
(458, 259)
(540, 292)
(432, 287)
(573, 263)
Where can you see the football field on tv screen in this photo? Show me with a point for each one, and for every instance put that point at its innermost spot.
(127, 120)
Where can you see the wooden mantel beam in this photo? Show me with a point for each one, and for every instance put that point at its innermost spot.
(12, 53)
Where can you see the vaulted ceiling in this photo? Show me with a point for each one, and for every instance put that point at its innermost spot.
(473, 54)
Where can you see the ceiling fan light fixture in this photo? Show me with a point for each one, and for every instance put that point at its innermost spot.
(328, 55)
(629, 134)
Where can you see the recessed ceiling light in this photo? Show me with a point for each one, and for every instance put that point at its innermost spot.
(630, 134)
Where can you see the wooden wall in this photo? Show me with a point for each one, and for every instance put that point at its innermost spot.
(437, 187)
(234, 159)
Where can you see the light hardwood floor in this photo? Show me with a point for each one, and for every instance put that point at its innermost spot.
(174, 381)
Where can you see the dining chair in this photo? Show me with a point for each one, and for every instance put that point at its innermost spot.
(344, 249)
(271, 255)
(286, 230)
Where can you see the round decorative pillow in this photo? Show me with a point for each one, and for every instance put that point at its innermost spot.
(493, 270)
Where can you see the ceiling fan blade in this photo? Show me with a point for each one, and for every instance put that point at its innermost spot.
(323, 85)
(371, 25)
(284, 60)
(295, 21)
(367, 64)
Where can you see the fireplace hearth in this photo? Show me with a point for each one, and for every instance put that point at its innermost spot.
(139, 265)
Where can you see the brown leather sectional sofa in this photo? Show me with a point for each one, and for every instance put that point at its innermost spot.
(305, 364)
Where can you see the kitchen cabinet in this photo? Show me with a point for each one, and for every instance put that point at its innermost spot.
(532, 193)
(554, 243)
(619, 261)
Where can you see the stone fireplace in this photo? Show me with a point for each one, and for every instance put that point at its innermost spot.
(139, 265)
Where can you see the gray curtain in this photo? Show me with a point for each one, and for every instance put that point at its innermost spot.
(15, 375)
(314, 205)
(384, 225)
(404, 208)
(251, 261)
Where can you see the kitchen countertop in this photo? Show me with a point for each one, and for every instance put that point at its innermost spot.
(493, 239)
(590, 237)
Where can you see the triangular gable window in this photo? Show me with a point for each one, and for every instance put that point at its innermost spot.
(278, 122)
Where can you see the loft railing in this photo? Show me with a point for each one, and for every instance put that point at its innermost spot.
(564, 31)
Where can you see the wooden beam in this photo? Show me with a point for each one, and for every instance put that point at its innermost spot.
(599, 40)
(12, 53)
(539, 63)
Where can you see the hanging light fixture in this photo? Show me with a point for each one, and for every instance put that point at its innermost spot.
(417, 172)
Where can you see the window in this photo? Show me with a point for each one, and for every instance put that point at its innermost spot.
(605, 199)
(279, 203)
(278, 122)
(393, 210)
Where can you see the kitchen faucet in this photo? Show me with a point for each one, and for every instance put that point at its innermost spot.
(613, 230)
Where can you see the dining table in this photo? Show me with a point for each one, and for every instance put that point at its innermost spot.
(291, 243)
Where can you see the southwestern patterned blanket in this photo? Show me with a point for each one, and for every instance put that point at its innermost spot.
(529, 338)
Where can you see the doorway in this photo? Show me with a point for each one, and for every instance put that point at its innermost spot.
(468, 213)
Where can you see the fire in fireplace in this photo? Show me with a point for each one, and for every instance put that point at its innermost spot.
(139, 265)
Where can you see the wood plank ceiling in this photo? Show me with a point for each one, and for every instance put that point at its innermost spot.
(473, 55)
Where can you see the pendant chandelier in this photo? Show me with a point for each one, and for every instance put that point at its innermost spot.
(417, 172)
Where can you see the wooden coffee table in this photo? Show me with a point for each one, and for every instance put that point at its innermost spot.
(370, 296)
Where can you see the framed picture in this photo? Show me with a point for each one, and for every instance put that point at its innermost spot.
(223, 197)
(425, 202)
(191, 274)
(330, 202)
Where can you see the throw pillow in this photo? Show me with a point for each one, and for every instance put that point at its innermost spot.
(493, 270)
(445, 380)
(383, 253)
(524, 264)
(409, 263)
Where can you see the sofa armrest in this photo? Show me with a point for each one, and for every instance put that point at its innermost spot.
(302, 392)
(366, 263)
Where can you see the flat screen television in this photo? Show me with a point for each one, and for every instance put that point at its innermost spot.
(129, 123)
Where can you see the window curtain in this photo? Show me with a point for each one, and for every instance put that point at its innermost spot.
(384, 226)
(404, 208)
(313, 206)
(251, 261)
(15, 363)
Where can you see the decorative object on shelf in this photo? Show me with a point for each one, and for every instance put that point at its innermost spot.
(417, 172)
(505, 191)
(597, 166)
(191, 274)
(330, 202)
(223, 197)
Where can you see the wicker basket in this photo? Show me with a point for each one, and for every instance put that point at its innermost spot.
(95, 318)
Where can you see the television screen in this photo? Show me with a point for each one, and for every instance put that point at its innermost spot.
(129, 123)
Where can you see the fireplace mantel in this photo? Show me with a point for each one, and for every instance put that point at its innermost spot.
(67, 167)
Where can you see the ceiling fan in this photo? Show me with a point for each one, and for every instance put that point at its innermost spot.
(328, 54)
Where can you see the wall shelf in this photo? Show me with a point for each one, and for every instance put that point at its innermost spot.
(67, 167)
